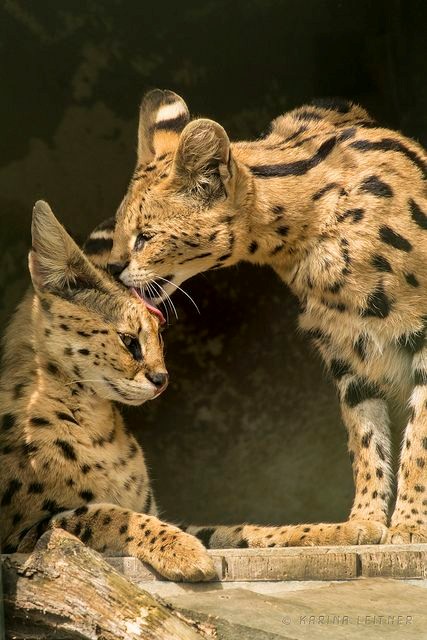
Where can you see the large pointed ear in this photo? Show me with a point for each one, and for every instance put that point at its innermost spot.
(55, 261)
(203, 162)
(163, 115)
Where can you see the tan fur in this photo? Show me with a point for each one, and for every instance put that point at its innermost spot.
(66, 458)
(337, 206)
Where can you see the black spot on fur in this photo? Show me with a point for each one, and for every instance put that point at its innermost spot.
(84, 352)
(360, 346)
(35, 487)
(12, 488)
(38, 421)
(8, 421)
(52, 506)
(205, 535)
(17, 517)
(336, 287)
(381, 264)
(86, 535)
(253, 246)
(17, 390)
(64, 327)
(81, 511)
(282, 231)
(339, 368)
(347, 134)
(414, 341)
(323, 191)
(355, 214)
(366, 439)
(86, 495)
(277, 209)
(243, 544)
(394, 239)
(52, 368)
(378, 304)
(66, 449)
(277, 249)
(411, 280)
(417, 214)
(360, 390)
(28, 448)
(376, 187)
(66, 416)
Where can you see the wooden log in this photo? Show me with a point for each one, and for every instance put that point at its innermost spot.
(66, 590)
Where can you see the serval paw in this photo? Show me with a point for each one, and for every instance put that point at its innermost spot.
(181, 557)
(407, 533)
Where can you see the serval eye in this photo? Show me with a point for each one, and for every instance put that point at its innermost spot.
(140, 241)
(132, 345)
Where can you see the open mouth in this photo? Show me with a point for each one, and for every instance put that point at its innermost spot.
(152, 308)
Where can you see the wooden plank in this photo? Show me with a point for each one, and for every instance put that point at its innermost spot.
(302, 563)
(389, 563)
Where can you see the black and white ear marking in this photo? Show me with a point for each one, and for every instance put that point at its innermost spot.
(163, 115)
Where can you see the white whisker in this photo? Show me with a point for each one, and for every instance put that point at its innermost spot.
(168, 298)
(180, 289)
(152, 293)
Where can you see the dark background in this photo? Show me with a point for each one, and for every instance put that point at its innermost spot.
(249, 428)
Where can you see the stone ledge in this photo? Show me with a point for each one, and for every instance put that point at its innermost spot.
(301, 563)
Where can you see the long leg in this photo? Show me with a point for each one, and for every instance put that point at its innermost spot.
(107, 527)
(409, 520)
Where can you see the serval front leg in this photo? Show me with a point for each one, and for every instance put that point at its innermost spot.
(365, 415)
(409, 520)
(107, 527)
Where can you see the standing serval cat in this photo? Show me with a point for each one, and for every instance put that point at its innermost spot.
(336, 205)
(78, 343)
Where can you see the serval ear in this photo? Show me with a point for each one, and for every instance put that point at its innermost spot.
(203, 163)
(56, 263)
(162, 117)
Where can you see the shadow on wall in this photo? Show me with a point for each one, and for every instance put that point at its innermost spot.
(249, 428)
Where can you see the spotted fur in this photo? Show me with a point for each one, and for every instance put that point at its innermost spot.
(79, 343)
(336, 205)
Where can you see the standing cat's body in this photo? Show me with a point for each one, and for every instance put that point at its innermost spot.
(337, 206)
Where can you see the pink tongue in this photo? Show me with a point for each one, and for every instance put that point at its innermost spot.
(151, 308)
